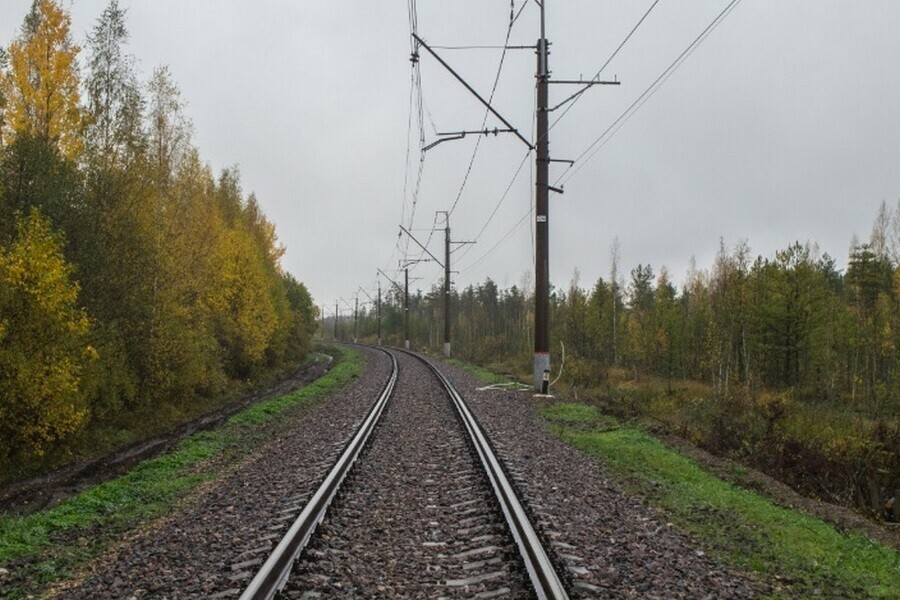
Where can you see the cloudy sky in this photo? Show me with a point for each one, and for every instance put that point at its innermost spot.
(783, 125)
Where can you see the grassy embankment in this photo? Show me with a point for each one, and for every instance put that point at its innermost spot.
(841, 451)
(802, 556)
(113, 432)
(49, 546)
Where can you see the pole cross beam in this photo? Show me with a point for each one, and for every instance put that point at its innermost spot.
(472, 90)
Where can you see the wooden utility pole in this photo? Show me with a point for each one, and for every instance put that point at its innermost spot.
(406, 307)
(447, 287)
(542, 183)
(356, 321)
(541, 231)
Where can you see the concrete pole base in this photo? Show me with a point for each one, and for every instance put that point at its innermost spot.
(406, 344)
(379, 342)
(541, 372)
(447, 350)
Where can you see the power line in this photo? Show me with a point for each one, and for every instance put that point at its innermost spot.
(500, 242)
(646, 95)
(420, 115)
(408, 147)
(605, 64)
(503, 197)
(503, 47)
(509, 187)
(512, 19)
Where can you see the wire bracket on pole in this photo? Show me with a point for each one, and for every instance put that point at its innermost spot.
(458, 135)
(394, 283)
(587, 85)
(413, 238)
(472, 91)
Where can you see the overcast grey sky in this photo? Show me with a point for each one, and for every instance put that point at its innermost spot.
(784, 125)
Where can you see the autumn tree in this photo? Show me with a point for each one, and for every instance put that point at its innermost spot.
(870, 279)
(43, 347)
(41, 85)
(666, 326)
(639, 326)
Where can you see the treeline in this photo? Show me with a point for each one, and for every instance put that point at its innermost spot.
(790, 363)
(134, 283)
(795, 321)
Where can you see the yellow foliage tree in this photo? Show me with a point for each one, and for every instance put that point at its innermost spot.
(43, 347)
(41, 84)
(245, 311)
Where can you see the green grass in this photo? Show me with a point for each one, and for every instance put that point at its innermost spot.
(571, 414)
(342, 374)
(481, 374)
(810, 557)
(50, 544)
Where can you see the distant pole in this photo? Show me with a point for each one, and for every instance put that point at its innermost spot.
(541, 229)
(356, 321)
(335, 320)
(447, 288)
(378, 312)
(406, 305)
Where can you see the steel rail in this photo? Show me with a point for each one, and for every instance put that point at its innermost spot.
(274, 573)
(546, 581)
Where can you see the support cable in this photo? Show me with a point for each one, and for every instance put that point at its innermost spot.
(577, 96)
(512, 19)
(604, 137)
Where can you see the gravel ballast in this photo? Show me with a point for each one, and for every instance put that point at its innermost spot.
(213, 547)
(417, 518)
(612, 545)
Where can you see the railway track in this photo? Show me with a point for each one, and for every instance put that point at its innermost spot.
(417, 505)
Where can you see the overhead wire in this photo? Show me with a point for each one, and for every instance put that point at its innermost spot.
(420, 117)
(606, 64)
(512, 19)
(518, 223)
(531, 198)
(498, 204)
(500, 242)
(521, 220)
(648, 93)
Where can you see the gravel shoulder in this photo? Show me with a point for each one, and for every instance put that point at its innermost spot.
(612, 544)
(213, 545)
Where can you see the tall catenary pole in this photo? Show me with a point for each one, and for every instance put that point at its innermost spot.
(378, 312)
(541, 233)
(447, 288)
(334, 337)
(406, 306)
